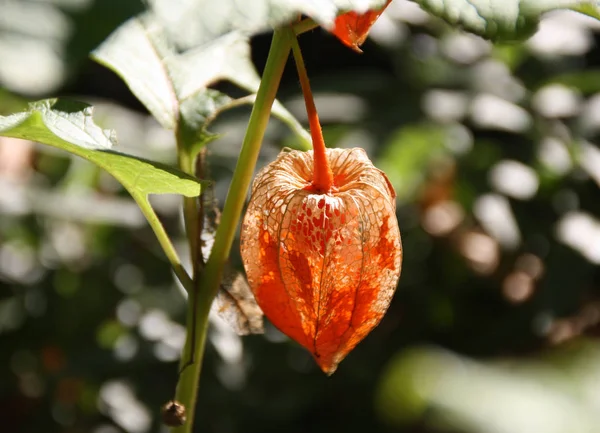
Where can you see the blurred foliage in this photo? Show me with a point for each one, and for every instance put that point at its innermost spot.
(43, 43)
(492, 150)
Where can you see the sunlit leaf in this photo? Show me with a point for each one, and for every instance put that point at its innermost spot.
(224, 58)
(590, 8)
(501, 20)
(192, 23)
(173, 85)
(136, 52)
(69, 126)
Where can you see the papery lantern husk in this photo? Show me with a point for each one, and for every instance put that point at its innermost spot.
(323, 267)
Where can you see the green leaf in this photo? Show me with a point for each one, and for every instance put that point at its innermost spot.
(191, 23)
(591, 9)
(174, 86)
(69, 126)
(136, 52)
(224, 58)
(196, 113)
(502, 20)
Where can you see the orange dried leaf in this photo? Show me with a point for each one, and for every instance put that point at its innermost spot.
(353, 28)
(323, 267)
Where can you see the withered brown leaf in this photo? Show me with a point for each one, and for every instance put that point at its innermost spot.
(236, 305)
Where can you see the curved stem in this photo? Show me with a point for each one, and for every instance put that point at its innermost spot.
(165, 242)
(322, 174)
(277, 111)
(234, 204)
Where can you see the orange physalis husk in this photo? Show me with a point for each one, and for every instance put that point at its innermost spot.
(353, 28)
(323, 266)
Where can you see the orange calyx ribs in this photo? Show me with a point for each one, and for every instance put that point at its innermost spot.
(323, 267)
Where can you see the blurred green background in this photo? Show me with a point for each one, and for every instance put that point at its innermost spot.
(492, 152)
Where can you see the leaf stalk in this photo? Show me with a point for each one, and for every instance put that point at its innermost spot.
(164, 241)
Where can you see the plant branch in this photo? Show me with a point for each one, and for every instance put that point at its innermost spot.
(306, 25)
(284, 116)
(165, 242)
(234, 204)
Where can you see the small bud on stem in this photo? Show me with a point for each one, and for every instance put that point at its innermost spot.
(173, 414)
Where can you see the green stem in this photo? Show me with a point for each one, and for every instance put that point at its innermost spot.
(190, 206)
(189, 378)
(165, 242)
(304, 26)
(280, 113)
